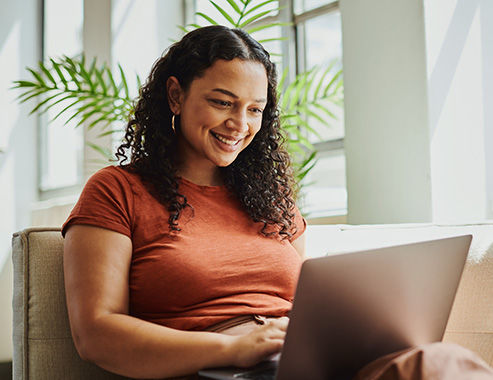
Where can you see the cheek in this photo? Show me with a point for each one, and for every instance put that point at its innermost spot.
(255, 128)
(208, 117)
(256, 125)
(195, 119)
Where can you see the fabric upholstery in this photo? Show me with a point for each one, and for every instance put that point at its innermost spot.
(43, 346)
(471, 321)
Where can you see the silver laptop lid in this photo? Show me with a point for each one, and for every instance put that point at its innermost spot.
(352, 308)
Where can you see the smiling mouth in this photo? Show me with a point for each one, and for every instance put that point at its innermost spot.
(225, 140)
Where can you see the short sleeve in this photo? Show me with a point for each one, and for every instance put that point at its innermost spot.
(300, 224)
(106, 201)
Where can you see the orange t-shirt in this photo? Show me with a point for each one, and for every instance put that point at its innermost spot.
(217, 267)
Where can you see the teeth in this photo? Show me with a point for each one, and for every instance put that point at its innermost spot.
(224, 140)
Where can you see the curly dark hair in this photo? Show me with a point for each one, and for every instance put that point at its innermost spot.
(260, 177)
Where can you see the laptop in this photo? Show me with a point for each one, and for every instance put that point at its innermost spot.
(350, 309)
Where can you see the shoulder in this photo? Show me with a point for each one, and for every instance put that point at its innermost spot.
(115, 178)
(107, 200)
(113, 174)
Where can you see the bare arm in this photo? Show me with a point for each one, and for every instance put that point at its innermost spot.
(96, 268)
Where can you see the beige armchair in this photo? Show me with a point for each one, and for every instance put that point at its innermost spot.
(43, 346)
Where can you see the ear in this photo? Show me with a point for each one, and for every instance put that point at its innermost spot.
(175, 94)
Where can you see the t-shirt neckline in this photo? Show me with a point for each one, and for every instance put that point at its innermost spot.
(201, 187)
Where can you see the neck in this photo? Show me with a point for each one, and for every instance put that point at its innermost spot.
(195, 168)
(203, 176)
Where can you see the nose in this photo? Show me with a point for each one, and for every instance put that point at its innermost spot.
(238, 121)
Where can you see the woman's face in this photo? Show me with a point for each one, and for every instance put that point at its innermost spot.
(221, 112)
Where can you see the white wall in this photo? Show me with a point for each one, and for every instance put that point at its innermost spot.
(387, 138)
(460, 79)
(486, 15)
(19, 31)
(419, 134)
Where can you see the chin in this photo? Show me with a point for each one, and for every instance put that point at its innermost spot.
(224, 164)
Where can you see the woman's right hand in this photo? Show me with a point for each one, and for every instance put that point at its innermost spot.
(258, 345)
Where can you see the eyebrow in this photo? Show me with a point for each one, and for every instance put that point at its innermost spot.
(234, 96)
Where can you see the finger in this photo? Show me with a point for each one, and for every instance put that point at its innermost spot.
(270, 334)
(281, 323)
(272, 346)
(276, 334)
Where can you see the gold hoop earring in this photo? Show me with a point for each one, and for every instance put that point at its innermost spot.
(173, 123)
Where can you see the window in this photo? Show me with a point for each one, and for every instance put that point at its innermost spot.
(61, 146)
(314, 38)
(319, 42)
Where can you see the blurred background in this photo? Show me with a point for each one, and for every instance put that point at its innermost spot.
(412, 141)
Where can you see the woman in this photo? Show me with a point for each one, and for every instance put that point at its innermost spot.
(197, 229)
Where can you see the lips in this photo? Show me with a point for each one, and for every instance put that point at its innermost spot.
(226, 139)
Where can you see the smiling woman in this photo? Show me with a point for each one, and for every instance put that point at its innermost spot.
(198, 231)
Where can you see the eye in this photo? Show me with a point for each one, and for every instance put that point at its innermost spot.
(257, 110)
(221, 103)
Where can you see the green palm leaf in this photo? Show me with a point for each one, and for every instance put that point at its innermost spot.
(83, 91)
(324, 109)
(224, 13)
(258, 6)
(124, 81)
(40, 80)
(102, 84)
(205, 17)
(58, 70)
(47, 73)
(103, 151)
(78, 100)
(48, 99)
(235, 6)
(254, 18)
(267, 26)
(112, 82)
(183, 29)
(93, 106)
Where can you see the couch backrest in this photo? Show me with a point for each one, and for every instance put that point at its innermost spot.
(43, 345)
(471, 321)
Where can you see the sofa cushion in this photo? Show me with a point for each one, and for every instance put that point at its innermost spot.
(471, 320)
(43, 345)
